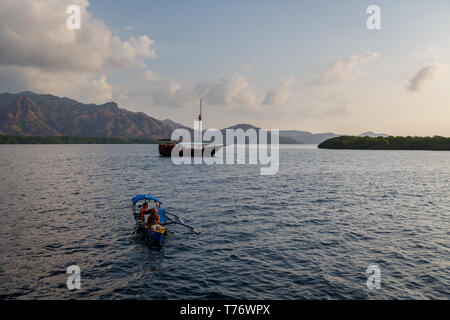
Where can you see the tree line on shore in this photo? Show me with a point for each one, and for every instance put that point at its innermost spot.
(342, 142)
(9, 139)
(387, 143)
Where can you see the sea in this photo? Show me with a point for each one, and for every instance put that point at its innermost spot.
(330, 224)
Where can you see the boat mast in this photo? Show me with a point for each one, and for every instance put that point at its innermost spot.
(200, 115)
(200, 122)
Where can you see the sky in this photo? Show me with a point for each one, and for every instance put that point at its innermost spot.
(300, 65)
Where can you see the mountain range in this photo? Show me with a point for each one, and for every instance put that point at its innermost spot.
(31, 114)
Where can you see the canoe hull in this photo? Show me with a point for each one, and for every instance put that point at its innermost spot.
(153, 236)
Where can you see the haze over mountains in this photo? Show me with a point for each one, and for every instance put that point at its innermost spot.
(31, 114)
(373, 134)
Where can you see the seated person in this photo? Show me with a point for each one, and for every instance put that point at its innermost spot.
(145, 210)
(153, 220)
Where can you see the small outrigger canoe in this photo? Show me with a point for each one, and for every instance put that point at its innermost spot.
(157, 235)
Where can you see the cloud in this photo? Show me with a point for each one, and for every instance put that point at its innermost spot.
(85, 87)
(36, 46)
(340, 110)
(173, 94)
(423, 76)
(429, 51)
(39, 53)
(34, 33)
(233, 90)
(281, 94)
(100, 89)
(128, 54)
(229, 91)
(344, 69)
(149, 76)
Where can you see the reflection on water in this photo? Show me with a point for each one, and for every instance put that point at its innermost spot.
(308, 232)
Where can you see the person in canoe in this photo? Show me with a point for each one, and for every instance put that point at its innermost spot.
(153, 220)
(145, 210)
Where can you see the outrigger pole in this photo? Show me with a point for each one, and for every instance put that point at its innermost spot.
(181, 222)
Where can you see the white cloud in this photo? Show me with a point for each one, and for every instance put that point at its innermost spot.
(86, 87)
(425, 75)
(36, 46)
(233, 90)
(344, 69)
(100, 89)
(34, 33)
(173, 94)
(230, 91)
(282, 94)
(126, 54)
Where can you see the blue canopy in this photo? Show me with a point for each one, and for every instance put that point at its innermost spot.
(145, 197)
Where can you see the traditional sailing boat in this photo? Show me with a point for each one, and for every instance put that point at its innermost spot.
(198, 148)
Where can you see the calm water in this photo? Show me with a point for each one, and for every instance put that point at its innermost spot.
(308, 232)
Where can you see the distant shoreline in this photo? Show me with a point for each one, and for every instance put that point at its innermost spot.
(9, 139)
(12, 139)
(435, 143)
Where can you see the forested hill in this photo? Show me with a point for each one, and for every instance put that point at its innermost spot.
(387, 143)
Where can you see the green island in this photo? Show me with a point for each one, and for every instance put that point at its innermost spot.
(8, 139)
(387, 143)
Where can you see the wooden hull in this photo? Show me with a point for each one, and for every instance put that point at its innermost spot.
(155, 237)
(165, 150)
